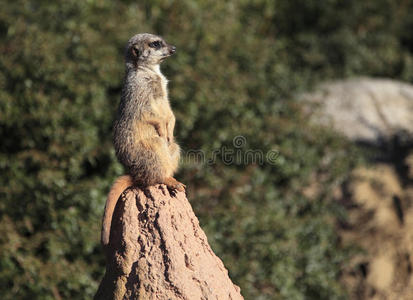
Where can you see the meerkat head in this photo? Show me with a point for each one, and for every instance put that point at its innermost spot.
(147, 49)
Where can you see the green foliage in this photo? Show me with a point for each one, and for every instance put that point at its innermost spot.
(239, 64)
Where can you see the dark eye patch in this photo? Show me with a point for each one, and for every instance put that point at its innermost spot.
(155, 44)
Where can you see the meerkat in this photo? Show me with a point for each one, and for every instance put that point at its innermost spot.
(143, 130)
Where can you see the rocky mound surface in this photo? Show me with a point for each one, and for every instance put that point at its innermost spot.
(158, 251)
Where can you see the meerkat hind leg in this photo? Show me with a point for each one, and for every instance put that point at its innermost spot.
(152, 163)
(174, 152)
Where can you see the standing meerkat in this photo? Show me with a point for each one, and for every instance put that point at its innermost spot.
(143, 130)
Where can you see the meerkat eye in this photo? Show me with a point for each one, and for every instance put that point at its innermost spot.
(155, 44)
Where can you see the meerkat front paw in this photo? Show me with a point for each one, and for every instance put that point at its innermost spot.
(174, 184)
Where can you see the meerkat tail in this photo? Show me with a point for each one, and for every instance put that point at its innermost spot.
(121, 184)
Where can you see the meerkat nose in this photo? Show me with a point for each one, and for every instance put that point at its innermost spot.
(173, 49)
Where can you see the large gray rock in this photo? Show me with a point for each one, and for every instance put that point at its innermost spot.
(365, 109)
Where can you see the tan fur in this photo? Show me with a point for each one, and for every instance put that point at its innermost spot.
(143, 130)
(121, 184)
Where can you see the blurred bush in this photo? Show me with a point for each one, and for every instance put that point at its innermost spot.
(238, 66)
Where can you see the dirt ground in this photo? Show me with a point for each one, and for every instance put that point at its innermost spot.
(380, 219)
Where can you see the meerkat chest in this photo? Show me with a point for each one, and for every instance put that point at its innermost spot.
(161, 106)
(161, 109)
(163, 82)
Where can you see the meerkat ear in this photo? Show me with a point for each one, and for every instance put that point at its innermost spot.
(136, 52)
